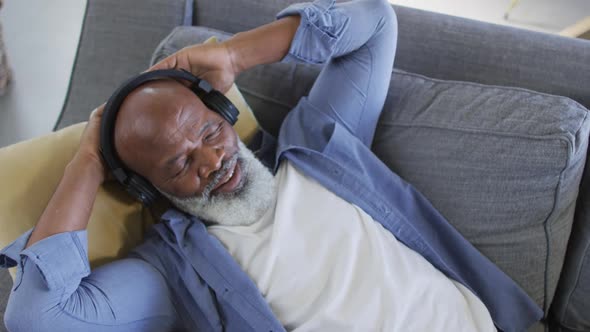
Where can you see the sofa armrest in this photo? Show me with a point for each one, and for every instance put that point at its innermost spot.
(116, 42)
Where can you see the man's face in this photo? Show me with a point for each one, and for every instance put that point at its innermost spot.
(187, 151)
(175, 141)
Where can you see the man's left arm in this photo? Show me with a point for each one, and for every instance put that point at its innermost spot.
(220, 63)
(356, 40)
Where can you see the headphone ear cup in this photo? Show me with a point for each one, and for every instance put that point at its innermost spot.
(216, 101)
(141, 189)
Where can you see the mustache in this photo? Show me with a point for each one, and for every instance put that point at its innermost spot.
(218, 175)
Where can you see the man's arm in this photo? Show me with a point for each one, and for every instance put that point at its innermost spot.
(70, 206)
(126, 295)
(355, 40)
(220, 63)
(266, 44)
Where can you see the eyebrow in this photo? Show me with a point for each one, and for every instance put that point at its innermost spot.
(205, 127)
(170, 162)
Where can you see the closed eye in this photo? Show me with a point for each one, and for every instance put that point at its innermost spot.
(185, 166)
(215, 133)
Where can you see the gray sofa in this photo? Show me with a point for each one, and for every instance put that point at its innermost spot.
(470, 120)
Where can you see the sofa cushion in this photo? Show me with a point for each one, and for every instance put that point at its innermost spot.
(30, 173)
(571, 308)
(503, 165)
(449, 47)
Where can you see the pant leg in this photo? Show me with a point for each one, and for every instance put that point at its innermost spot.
(125, 295)
(358, 42)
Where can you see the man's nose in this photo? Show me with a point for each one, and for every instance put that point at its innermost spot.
(210, 160)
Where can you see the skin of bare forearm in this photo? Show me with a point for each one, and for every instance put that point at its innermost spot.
(266, 44)
(70, 206)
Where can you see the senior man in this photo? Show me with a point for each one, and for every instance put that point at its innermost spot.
(327, 239)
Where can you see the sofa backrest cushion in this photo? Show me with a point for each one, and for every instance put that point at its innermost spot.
(503, 165)
(448, 47)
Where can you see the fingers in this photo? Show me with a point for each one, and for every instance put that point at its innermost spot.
(100, 109)
(178, 60)
(167, 63)
(97, 112)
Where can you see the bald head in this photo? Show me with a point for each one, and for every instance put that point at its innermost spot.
(162, 122)
(149, 113)
(164, 132)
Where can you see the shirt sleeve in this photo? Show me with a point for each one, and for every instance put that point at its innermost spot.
(316, 39)
(62, 259)
(356, 41)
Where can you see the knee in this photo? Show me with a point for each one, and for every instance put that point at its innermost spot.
(389, 18)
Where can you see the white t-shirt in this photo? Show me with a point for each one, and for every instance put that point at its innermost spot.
(323, 264)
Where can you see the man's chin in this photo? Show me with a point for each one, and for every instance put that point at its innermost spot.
(236, 188)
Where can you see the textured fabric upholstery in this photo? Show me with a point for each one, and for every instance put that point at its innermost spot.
(448, 47)
(454, 48)
(116, 42)
(571, 308)
(502, 164)
(237, 15)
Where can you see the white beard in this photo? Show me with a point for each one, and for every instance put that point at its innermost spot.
(243, 207)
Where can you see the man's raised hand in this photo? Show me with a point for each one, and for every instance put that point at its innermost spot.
(89, 150)
(211, 62)
(71, 204)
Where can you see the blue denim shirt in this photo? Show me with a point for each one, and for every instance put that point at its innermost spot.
(327, 136)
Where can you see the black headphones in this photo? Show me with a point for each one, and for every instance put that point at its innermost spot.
(138, 186)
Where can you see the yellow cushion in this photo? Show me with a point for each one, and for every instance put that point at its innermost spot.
(32, 169)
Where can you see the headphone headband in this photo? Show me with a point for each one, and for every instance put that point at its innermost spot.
(135, 184)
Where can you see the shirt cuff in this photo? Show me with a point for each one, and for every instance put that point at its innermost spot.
(62, 259)
(317, 34)
(10, 255)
